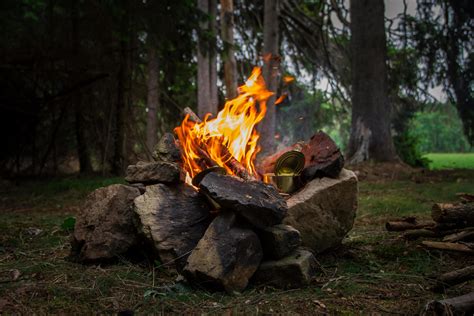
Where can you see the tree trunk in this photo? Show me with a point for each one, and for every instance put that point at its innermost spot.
(270, 72)
(227, 33)
(153, 98)
(213, 57)
(207, 71)
(370, 138)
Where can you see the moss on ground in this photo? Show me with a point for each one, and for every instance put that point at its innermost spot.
(373, 272)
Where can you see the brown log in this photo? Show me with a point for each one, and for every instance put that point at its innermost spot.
(418, 233)
(407, 223)
(465, 235)
(454, 277)
(460, 213)
(466, 197)
(192, 116)
(451, 246)
(460, 305)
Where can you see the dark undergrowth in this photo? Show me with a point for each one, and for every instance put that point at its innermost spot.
(373, 272)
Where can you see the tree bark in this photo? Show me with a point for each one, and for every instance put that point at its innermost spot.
(213, 57)
(207, 71)
(461, 213)
(270, 72)
(454, 277)
(227, 34)
(370, 131)
(460, 305)
(153, 99)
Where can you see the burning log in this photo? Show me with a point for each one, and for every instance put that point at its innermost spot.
(459, 213)
(454, 277)
(257, 202)
(451, 246)
(237, 168)
(460, 305)
(407, 223)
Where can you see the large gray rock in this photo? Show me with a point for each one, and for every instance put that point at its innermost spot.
(173, 218)
(259, 203)
(226, 257)
(105, 226)
(324, 210)
(166, 149)
(293, 271)
(153, 172)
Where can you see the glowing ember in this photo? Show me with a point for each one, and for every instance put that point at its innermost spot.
(231, 134)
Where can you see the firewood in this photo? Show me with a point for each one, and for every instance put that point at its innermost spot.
(237, 168)
(454, 277)
(451, 246)
(460, 213)
(407, 223)
(418, 233)
(466, 197)
(465, 234)
(460, 305)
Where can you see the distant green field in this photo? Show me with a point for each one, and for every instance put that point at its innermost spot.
(451, 160)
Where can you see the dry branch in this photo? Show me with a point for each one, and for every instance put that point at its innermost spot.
(418, 233)
(454, 277)
(451, 246)
(460, 305)
(465, 234)
(407, 223)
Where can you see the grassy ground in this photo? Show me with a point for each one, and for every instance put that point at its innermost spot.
(374, 271)
(441, 161)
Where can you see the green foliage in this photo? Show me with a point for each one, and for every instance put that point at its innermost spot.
(68, 224)
(439, 161)
(407, 146)
(439, 130)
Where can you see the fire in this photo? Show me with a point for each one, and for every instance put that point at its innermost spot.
(232, 134)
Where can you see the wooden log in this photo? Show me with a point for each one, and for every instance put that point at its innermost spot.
(454, 277)
(466, 197)
(192, 116)
(463, 235)
(451, 246)
(418, 233)
(460, 213)
(407, 223)
(460, 305)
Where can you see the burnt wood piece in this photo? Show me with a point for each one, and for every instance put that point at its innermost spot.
(257, 202)
(167, 149)
(279, 241)
(322, 158)
(237, 168)
(466, 234)
(226, 257)
(451, 246)
(407, 223)
(460, 305)
(153, 172)
(173, 218)
(459, 213)
(454, 277)
(294, 271)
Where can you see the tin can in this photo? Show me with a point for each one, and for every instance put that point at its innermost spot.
(290, 163)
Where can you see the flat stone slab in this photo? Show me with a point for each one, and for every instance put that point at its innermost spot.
(259, 203)
(293, 271)
(105, 227)
(324, 210)
(153, 172)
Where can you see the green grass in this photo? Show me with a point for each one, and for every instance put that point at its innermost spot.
(374, 273)
(441, 161)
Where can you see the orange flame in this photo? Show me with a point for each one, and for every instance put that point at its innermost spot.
(231, 132)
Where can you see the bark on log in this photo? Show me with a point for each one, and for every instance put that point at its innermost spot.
(418, 233)
(460, 213)
(451, 246)
(454, 277)
(407, 223)
(464, 235)
(460, 305)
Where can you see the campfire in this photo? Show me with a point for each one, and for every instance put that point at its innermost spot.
(208, 208)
